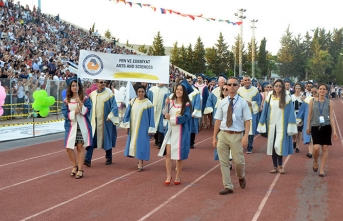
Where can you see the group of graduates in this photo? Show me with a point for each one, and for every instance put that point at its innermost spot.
(174, 117)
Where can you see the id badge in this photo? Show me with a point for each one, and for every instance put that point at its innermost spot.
(321, 119)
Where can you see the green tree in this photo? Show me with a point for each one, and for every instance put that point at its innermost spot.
(183, 57)
(199, 62)
(143, 49)
(211, 57)
(108, 34)
(150, 51)
(299, 60)
(189, 59)
(175, 55)
(336, 44)
(320, 61)
(157, 46)
(262, 58)
(128, 45)
(339, 69)
(222, 56)
(307, 53)
(285, 54)
(93, 27)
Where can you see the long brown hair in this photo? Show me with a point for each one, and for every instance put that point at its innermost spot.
(282, 100)
(185, 99)
(80, 92)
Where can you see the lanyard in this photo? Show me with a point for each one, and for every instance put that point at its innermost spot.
(233, 105)
(321, 109)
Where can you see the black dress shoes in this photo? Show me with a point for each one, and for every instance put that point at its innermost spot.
(108, 161)
(242, 183)
(226, 191)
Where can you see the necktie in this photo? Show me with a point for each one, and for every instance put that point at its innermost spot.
(229, 113)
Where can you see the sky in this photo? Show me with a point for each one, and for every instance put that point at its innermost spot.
(140, 25)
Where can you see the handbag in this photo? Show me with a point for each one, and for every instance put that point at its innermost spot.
(266, 133)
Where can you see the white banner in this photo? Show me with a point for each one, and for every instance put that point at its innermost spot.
(137, 68)
(19, 132)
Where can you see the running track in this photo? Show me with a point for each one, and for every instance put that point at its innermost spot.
(35, 185)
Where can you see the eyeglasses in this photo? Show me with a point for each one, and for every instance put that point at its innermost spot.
(234, 84)
(225, 89)
(298, 88)
(278, 85)
(102, 82)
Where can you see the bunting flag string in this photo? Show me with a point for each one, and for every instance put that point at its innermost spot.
(164, 11)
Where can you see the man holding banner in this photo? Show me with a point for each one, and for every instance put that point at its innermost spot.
(103, 121)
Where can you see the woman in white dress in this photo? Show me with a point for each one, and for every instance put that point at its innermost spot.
(177, 111)
(297, 100)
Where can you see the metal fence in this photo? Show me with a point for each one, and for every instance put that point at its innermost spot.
(19, 98)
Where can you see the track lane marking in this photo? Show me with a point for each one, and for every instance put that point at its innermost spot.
(57, 171)
(19, 161)
(177, 194)
(103, 185)
(339, 130)
(264, 200)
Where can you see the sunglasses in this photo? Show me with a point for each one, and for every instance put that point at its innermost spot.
(278, 85)
(102, 82)
(225, 89)
(234, 84)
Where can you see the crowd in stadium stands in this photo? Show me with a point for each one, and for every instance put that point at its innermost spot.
(35, 48)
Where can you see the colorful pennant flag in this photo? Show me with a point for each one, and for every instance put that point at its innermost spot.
(164, 11)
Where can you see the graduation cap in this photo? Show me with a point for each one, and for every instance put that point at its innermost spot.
(213, 79)
(187, 86)
(223, 75)
(288, 80)
(70, 80)
(202, 76)
(264, 84)
(207, 78)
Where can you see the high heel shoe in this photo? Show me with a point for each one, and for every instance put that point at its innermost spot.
(177, 182)
(140, 169)
(79, 176)
(74, 173)
(168, 182)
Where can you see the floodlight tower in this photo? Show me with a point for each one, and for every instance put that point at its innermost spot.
(253, 48)
(239, 15)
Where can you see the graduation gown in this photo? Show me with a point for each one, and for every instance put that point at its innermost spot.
(252, 95)
(156, 95)
(302, 117)
(279, 121)
(203, 95)
(72, 120)
(194, 97)
(178, 132)
(139, 118)
(104, 106)
(212, 102)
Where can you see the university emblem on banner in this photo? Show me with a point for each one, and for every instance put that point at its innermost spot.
(92, 65)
